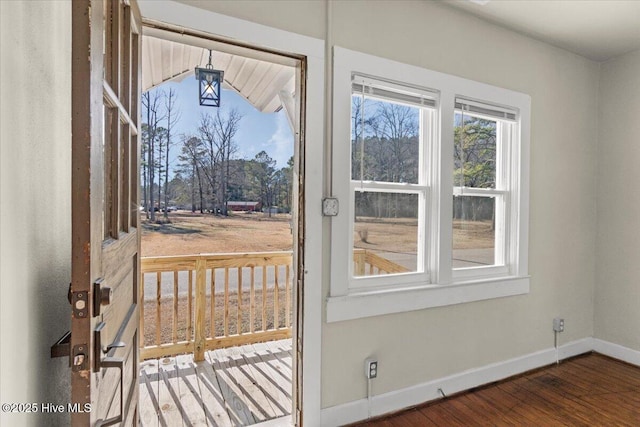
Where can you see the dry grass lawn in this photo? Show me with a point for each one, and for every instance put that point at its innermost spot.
(194, 233)
(400, 235)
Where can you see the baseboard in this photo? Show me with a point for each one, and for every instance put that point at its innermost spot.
(399, 399)
(617, 351)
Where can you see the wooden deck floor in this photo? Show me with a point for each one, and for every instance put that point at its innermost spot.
(591, 390)
(237, 386)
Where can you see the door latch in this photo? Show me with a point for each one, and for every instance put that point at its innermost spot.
(80, 304)
(79, 358)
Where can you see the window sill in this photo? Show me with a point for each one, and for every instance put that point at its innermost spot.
(389, 301)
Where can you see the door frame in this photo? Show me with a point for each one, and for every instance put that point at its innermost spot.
(311, 148)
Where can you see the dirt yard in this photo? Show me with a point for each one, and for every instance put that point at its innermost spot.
(190, 233)
(193, 233)
(400, 235)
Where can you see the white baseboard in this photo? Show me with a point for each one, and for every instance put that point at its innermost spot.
(617, 351)
(399, 399)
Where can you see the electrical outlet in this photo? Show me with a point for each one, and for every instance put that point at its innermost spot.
(371, 368)
(558, 324)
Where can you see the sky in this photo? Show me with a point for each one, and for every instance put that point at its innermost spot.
(257, 131)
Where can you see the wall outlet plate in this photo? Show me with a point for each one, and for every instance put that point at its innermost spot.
(558, 324)
(371, 368)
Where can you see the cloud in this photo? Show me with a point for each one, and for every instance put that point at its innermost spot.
(280, 145)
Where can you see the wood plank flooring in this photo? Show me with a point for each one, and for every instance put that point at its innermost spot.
(236, 386)
(589, 390)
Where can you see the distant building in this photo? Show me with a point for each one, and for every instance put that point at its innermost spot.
(244, 206)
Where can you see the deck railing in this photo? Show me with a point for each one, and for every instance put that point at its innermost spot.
(194, 303)
(376, 264)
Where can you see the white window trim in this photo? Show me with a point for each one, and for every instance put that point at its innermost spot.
(443, 288)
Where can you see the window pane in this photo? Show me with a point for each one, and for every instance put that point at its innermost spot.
(385, 233)
(390, 151)
(474, 155)
(474, 231)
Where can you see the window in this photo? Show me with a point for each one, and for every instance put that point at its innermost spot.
(431, 171)
(482, 146)
(391, 129)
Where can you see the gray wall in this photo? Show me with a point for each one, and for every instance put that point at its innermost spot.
(419, 346)
(617, 301)
(36, 212)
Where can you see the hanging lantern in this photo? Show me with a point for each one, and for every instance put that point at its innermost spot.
(209, 82)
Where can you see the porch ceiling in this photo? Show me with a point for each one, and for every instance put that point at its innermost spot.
(260, 82)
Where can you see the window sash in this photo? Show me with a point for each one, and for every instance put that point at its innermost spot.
(504, 259)
(392, 279)
(501, 265)
(426, 101)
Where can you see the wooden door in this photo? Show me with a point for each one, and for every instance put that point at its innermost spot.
(105, 217)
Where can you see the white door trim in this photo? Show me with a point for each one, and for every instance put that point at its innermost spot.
(271, 38)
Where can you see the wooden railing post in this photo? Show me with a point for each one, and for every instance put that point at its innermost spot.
(359, 258)
(199, 339)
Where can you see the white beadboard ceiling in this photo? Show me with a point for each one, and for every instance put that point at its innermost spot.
(596, 29)
(259, 81)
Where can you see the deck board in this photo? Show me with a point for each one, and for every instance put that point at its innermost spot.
(238, 386)
(254, 396)
(237, 406)
(214, 407)
(190, 391)
(149, 406)
(169, 393)
(275, 389)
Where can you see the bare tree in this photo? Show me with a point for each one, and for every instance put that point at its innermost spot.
(191, 158)
(151, 104)
(217, 133)
(263, 174)
(173, 116)
(226, 128)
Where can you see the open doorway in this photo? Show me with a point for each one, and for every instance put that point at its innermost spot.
(220, 215)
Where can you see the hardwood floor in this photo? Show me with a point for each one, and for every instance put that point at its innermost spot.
(236, 386)
(589, 390)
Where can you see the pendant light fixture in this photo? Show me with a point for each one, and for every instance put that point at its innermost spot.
(209, 82)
